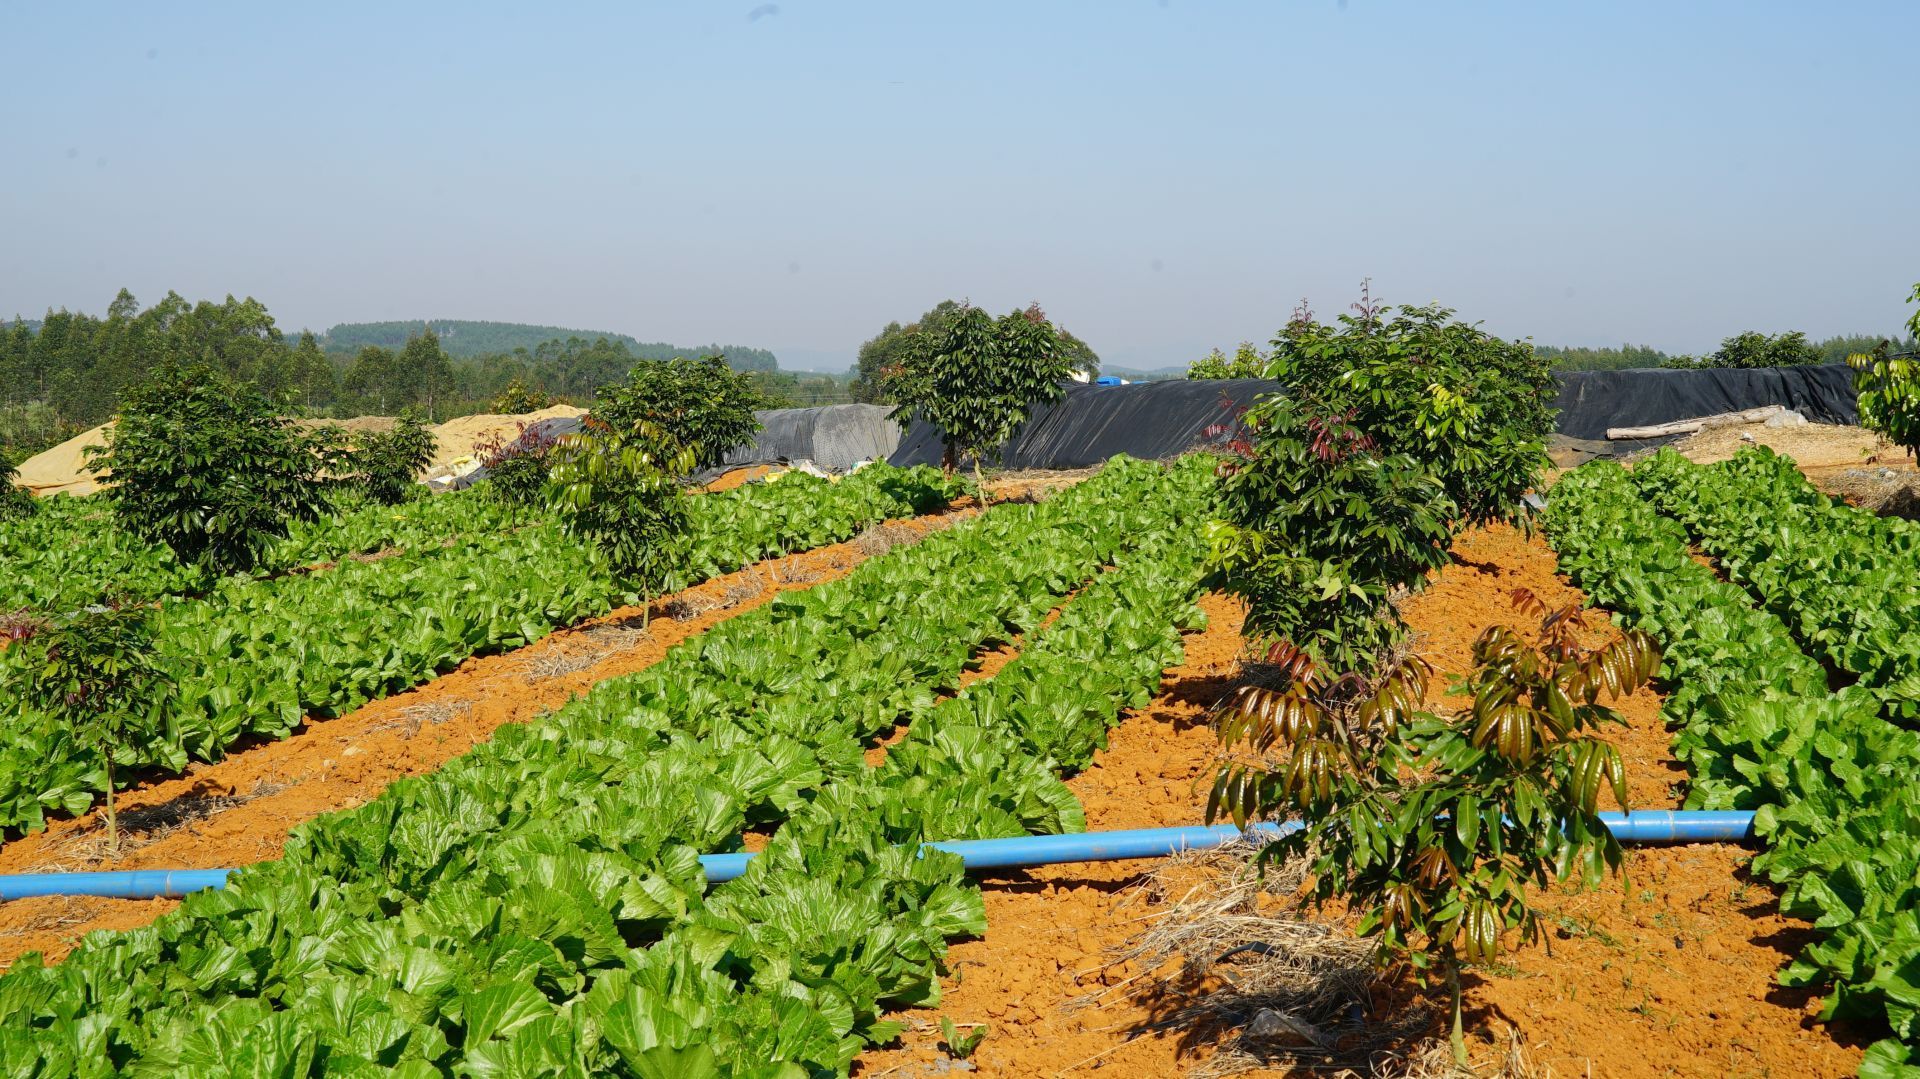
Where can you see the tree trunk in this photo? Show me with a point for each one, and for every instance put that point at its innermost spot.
(1458, 1038)
(949, 460)
(113, 823)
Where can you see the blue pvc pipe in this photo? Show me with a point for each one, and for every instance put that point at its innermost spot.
(1645, 826)
(138, 884)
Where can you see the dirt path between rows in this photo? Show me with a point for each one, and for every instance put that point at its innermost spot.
(1669, 972)
(239, 810)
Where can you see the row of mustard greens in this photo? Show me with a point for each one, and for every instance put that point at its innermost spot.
(1759, 727)
(1845, 581)
(463, 921)
(72, 552)
(257, 657)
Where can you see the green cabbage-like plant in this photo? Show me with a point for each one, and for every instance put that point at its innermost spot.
(94, 671)
(204, 465)
(620, 490)
(387, 462)
(1435, 828)
(1889, 388)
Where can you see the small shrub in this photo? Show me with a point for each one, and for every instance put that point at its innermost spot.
(205, 466)
(94, 671)
(1246, 362)
(1889, 387)
(701, 405)
(978, 378)
(1471, 407)
(387, 463)
(1433, 828)
(519, 398)
(619, 490)
(1318, 529)
(517, 470)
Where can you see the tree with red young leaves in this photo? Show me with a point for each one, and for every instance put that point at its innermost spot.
(1436, 831)
(1318, 528)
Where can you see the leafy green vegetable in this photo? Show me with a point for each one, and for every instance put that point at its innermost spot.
(961, 1046)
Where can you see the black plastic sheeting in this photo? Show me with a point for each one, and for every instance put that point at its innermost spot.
(1590, 402)
(1161, 420)
(833, 437)
(1148, 420)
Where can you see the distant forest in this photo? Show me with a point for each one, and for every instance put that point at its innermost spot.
(1787, 348)
(65, 372)
(465, 340)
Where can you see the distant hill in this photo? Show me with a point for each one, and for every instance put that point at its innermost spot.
(466, 339)
(1136, 374)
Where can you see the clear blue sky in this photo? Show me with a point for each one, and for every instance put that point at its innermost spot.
(1162, 177)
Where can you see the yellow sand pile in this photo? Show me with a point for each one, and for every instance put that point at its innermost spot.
(457, 439)
(62, 469)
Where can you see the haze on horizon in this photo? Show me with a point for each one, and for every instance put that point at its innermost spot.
(1164, 177)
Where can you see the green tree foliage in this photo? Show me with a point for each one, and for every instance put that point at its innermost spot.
(373, 382)
(1247, 361)
(519, 398)
(701, 405)
(889, 349)
(1472, 407)
(1888, 381)
(427, 371)
(978, 378)
(15, 502)
(94, 670)
(1603, 359)
(1752, 350)
(1433, 829)
(27, 429)
(75, 367)
(1318, 529)
(313, 385)
(465, 339)
(205, 466)
(386, 463)
(518, 468)
(619, 489)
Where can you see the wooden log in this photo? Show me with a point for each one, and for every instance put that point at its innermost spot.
(1695, 425)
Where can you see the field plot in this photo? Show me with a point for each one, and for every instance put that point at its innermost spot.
(254, 658)
(1677, 960)
(531, 905)
(572, 839)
